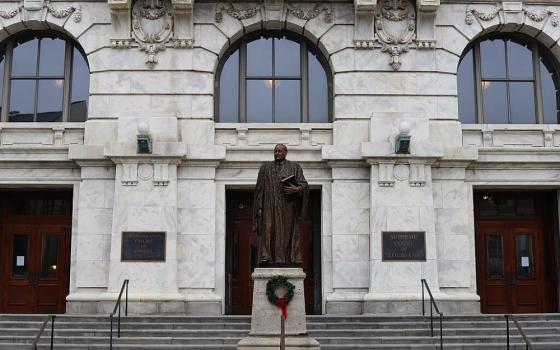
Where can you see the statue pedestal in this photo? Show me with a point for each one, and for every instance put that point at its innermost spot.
(265, 317)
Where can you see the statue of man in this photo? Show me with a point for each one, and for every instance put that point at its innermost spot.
(281, 198)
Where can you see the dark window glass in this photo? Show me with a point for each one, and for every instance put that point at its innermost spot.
(286, 58)
(488, 206)
(259, 57)
(465, 90)
(525, 207)
(524, 247)
(549, 94)
(506, 206)
(49, 256)
(37, 206)
(492, 58)
(19, 255)
(49, 100)
(79, 95)
(22, 100)
(318, 91)
(522, 102)
(494, 102)
(520, 61)
(51, 60)
(287, 101)
(495, 256)
(229, 90)
(24, 61)
(259, 101)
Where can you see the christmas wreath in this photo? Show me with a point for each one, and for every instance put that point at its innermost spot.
(280, 283)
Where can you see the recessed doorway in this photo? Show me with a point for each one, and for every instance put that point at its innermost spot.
(241, 252)
(516, 249)
(34, 250)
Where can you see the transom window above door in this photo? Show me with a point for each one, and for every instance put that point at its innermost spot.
(45, 78)
(507, 80)
(273, 78)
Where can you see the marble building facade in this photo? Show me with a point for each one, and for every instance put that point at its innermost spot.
(393, 65)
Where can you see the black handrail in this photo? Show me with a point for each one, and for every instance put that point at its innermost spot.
(528, 344)
(433, 305)
(38, 337)
(118, 307)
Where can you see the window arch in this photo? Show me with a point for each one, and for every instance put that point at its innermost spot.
(275, 77)
(45, 79)
(507, 80)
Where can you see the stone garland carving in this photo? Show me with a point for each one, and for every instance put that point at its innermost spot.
(312, 13)
(395, 26)
(152, 30)
(239, 14)
(74, 10)
(492, 13)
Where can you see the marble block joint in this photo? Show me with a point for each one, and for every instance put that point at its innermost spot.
(265, 317)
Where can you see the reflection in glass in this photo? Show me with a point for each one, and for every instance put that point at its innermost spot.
(520, 61)
(287, 107)
(549, 94)
(49, 255)
(522, 102)
(495, 255)
(51, 62)
(492, 58)
(524, 248)
(49, 100)
(494, 102)
(465, 90)
(22, 100)
(24, 59)
(259, 101)
(506, 206)
(19, 256)
(318, 91)
(525, 207)
(286, 58)
(259, 57)
(79, 95)
(229, 90)
(488, 206)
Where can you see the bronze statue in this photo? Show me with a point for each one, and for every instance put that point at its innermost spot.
(281, 197)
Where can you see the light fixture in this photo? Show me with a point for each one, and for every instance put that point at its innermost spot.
(402, 140)
(144, 141)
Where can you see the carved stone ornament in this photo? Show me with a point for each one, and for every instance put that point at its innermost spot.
(58, 12)
(298, 12)
(152, 30)
(492, 13)
(395, 26)
(237, 13)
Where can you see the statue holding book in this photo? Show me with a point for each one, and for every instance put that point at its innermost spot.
(281, 197)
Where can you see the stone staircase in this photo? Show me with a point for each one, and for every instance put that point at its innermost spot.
(333, 332)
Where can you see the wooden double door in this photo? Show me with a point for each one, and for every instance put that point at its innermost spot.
(516, 264)
(242, 254)
(35, 252)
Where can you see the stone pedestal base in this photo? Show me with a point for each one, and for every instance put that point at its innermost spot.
(265, 317)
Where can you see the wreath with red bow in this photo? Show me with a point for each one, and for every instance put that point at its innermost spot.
(275, 284)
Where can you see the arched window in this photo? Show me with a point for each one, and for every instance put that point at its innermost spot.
(507, 80)
(45, 79)
(273, 78)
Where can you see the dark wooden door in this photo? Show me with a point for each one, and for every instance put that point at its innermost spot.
(242, 252)
(35, 268)
(34, 251)
(511, 267)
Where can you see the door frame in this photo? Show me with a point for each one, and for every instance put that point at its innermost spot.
(316, 214)
(547, 217)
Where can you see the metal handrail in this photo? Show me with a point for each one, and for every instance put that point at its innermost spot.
(118, 307)
(38, 337)
(528, 344)
(433, 305)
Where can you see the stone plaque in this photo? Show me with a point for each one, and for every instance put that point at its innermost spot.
(143, 246)
(404, 246)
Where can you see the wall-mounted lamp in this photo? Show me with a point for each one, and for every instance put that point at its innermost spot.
(144, 141)
(402, 140)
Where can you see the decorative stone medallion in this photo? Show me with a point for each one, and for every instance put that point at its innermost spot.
(395, 26)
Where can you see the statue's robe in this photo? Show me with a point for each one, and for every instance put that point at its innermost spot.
(277, 226)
